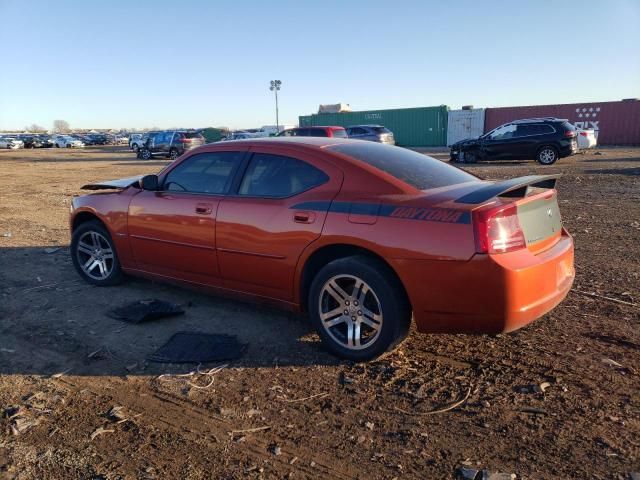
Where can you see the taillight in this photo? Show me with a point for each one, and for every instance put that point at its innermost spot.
(569, 133)
(584, 134)
(498, 230)
(184, 140)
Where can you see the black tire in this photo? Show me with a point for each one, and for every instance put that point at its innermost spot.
(469, 157)
(173, 154)
(547, 155)
(145, 154)
(78, 254)
(68, 145)
(394, 309)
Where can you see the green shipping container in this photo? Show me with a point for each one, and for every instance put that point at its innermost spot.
(211, 134)
(412, 127)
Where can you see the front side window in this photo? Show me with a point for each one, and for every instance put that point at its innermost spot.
(209, 173)
(503, 132)
(278, 176)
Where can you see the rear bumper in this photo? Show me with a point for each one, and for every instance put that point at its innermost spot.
(489, 293)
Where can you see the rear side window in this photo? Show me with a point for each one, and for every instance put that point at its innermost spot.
(381, 129)
(317, 132)
(340, 133)
(419, 171)
(278, 176)
(204, 173)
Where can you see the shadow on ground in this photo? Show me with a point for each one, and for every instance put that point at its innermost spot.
(52, 321)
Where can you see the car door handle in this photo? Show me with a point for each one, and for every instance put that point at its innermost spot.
(204, 208)
(304, 217)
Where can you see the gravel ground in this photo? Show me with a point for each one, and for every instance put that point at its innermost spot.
(557, 399)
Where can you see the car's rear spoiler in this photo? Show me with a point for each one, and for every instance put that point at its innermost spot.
(119, 184)
(515, 187)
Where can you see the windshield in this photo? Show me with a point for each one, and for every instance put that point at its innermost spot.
(419, 171)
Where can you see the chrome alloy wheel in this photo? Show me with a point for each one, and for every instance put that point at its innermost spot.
(547, 156)
(350, 312)
(95, 255)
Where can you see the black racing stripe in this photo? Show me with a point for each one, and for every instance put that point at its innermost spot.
(442, 215)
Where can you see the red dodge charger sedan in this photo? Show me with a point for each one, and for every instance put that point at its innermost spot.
(361, 236)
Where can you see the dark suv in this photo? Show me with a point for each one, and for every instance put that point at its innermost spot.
(542, 139)
(338, 132)
(169, 143)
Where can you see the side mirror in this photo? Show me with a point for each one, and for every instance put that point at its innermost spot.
(149, 182)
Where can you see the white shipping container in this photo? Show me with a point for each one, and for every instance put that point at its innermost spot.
(464, 124)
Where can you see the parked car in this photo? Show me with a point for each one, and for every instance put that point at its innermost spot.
(338, 132)
(373, 133)
(30, 141)
(586, 138)
(542, 139)
(97, 139)
(170, 143)
(135, 140)
(86, 139)
(240, 136)
(46, 141)
(358, 234)
(273, 130)
(11, 142)
(67, 141)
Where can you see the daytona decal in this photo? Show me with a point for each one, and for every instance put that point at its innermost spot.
(443, 215)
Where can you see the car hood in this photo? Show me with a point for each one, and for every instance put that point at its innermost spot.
(119, 184)
(466, 141)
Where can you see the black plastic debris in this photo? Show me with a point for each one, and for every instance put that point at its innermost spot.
(197, 347)
(144, 310)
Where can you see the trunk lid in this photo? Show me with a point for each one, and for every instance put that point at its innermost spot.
(539, 217)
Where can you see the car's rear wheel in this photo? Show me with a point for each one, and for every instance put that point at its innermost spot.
(94, 255)
(145, 154)
(358, 308)
(173, 154)
(547, 155)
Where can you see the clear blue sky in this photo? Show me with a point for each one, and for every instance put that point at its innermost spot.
(203, 63)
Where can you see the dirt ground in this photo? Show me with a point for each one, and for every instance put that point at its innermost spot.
(558, 399)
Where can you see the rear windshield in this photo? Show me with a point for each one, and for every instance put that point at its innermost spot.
(192, 135)
(568, 126)
(419, 171)
(381, 129)
(340, 133)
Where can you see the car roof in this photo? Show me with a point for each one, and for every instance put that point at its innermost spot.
(372, 125)
(318, 142)
(337, 127)
(539, 120)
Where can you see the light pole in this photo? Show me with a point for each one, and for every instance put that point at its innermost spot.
(275, 86)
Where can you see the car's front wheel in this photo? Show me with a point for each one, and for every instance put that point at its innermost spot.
(358, 308)
(547, 155)
(94, 255)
